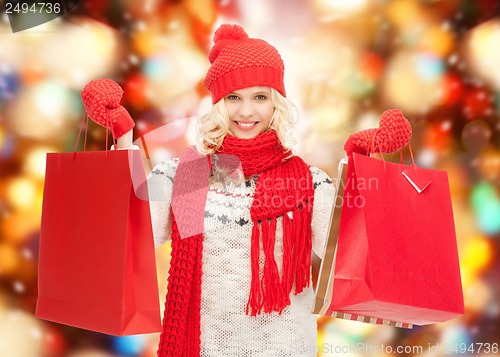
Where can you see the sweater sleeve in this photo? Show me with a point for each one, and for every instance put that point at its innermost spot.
(324, 195)
(160, 181)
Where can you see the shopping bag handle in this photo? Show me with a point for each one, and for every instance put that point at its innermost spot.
(85, 119)
(372, 151)
(401, 160)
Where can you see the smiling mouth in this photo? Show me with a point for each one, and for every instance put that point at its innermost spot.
(246, 125)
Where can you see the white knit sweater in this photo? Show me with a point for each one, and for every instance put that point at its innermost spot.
(226, 273)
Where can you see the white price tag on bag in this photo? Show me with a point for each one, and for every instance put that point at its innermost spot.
(417, 177)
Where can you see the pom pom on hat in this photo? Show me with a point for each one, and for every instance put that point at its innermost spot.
(229, 32)
(222, 37)
(239, 61)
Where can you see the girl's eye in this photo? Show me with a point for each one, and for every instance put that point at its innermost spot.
(232, 97)
(261, 97)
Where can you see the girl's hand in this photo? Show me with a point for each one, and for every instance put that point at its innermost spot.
(393, 134)
(101, 99)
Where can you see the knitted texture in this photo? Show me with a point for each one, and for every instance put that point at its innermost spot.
(241, 62)
(101, 99)
(226, 330)
(181, 323)
(393, 134)
(269, 293)
(287, 187)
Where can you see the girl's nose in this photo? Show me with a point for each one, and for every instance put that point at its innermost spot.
(246, 108)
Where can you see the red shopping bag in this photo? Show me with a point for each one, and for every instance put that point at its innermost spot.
(324, 287)
(396, 256)
(96, 263)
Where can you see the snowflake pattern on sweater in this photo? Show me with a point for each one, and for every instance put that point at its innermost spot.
(225, 328)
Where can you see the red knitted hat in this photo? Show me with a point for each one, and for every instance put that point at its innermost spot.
(241, 62)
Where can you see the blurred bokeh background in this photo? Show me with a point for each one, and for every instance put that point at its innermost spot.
(346, 62)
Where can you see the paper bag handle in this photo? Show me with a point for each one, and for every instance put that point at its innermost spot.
(372, 151)
(411, 154)
(85, 119)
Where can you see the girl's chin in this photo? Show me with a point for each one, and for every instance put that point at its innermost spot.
(245, 135)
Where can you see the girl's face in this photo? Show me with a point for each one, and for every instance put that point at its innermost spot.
(250, 111)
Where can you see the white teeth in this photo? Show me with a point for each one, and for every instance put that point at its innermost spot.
(246, 125)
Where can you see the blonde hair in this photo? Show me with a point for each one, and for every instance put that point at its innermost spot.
(214, 126)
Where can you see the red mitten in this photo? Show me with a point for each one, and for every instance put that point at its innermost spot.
(121, 121)
(101, 99)
(393, 134)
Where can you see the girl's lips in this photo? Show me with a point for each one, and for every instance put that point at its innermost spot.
(246, 125)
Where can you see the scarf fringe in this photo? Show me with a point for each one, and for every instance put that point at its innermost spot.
(255, 299)
(288, 266)
(271, 293)
(303, 274)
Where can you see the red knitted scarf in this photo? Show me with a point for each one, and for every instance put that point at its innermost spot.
(284, 185)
